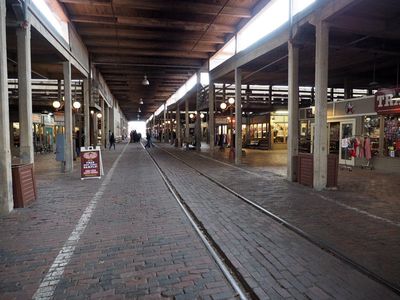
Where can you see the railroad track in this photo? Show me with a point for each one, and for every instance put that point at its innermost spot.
(241, 283)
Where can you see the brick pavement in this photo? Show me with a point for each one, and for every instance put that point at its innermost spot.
(138, 243)
(341, 228)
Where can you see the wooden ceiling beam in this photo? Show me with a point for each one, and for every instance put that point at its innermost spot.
(153, 23)
(136, 61)
(172, 6)
(369, 27)
(91, 32)
(143, 44)
(168, 53)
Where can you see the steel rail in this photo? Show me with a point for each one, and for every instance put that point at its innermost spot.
(320, 244)
(232, 275)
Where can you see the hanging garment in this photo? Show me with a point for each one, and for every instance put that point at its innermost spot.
(356, 147)
(361, 149)
(345, 142)
(367, 147)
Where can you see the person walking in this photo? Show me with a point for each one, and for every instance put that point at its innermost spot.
(112, 140)
(148, 138)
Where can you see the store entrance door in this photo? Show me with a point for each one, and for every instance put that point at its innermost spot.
(347, 132)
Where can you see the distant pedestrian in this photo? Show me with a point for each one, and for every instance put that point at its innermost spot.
(112, 140)
(78, 143)
(148, 138)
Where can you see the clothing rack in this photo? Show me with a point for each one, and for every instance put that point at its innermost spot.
(350, 146)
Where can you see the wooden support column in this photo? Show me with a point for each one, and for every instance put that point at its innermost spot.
(106, 125)
(6, 193)
(197, 130)
(171, 126)
(103, 126)
(186, 121)
(86, 112)
(68, 148)
(211, 117)
(25, 92)
(293, 105)
(321, 125)
(165, 127)
(238, 116)
(178, 125)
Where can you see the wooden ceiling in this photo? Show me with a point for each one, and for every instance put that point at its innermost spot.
(168, 41)
(363, 37)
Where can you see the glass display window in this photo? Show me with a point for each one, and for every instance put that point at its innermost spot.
(392, 136)
(371, 128)
(279, 128)
(258, 131)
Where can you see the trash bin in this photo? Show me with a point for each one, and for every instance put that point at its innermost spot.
(24, 185)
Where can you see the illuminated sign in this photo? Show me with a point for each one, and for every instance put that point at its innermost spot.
(387, 101)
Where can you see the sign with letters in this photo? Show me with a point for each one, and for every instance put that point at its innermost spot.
(387, 101)
(91, 163)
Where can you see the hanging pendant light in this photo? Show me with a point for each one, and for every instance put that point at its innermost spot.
(145, 81)
(56, 104)
(141, 101)
(373, 83)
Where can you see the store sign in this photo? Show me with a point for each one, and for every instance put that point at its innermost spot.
(221, 120)
(59, 117)
(37, 118)
(387, 101)
(48, 120)
(91, 163)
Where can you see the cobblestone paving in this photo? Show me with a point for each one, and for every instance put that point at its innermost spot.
(244, 232)
(138, 243)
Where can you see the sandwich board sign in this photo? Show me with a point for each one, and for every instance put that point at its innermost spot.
(91, 163)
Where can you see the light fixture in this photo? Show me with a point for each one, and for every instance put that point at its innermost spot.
(92, 112)
(202, 115)
(139, 110)
(141, 101)
(145, 81)
(191, 116)
(223, 105)
(76, 105)
(231, 100)
(56, 104)
(373, 83)
(99, 115)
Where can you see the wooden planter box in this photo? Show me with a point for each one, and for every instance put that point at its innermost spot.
(24, 185)
(305, 171)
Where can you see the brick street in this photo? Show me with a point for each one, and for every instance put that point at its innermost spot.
(139, 244)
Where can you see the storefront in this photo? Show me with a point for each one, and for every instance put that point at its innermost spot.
(279, 130)
(361, 131)
(257, 132)
(387, 105)
(267, 131)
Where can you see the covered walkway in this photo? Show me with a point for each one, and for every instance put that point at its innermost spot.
(137, 242)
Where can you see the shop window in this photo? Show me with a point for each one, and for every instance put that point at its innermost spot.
(371, 129)
(392, 136)
(279, 128)
(305, 136)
